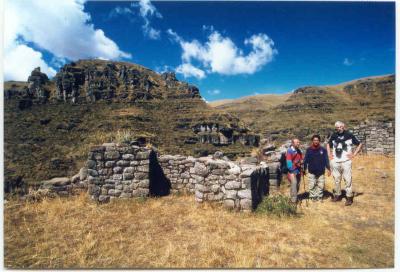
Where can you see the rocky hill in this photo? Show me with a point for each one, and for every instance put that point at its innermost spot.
(49, 124)
(314, 109)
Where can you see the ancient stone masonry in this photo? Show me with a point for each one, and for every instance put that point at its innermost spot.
(377, 137)
(216, 134)
(125, 171)
(118, 171)
(215, 179)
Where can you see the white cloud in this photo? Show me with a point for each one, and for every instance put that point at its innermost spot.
(220, 54)
(214, 92)
(120, 11)
(347, 62)
(21, 60)
(189, 70)
(59, 27)
(147, 10)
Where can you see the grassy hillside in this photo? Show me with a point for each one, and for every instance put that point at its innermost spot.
(52, 139)
(314, 109)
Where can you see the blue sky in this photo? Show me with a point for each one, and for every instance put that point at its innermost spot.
(227, 49)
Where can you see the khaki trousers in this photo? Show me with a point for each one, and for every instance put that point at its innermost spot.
(339, 170)
(294, 185)
(316, 185)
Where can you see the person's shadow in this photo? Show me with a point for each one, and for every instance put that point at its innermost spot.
(327, 195)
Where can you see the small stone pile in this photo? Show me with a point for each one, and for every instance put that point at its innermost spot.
(377, 137)
(61, 186)
(274, 157)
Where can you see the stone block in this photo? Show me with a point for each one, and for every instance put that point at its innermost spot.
(200, 170)
(92, 173)
(244, 194)
(83, 173)
(218, 172)
(117, 170)
(114, 192)
(235, 170)
(141, 175)
(104, 198)
(198, 194)
(246, 182)
(127, 176)
(90, 164)
(125, 195)
(232, 185)
(108, 186)
(222, 181)
(185, 175)
(201, 187)
(142, 155)
(245, 204)
(93, 189)
(128, 157)
(215, 188)
(230, 194)
(144, 183)
(109, 164)
(123, 163)
(229, 204)
(111, 155)
(140, 192)
(144, 162)
(134, 163)
(247, 173)
(143, 168)
(117, 177)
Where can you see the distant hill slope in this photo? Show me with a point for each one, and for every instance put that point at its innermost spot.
(261, 101)
(314, 109)
(49, 125)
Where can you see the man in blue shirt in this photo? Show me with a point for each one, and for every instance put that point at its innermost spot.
(316, 161)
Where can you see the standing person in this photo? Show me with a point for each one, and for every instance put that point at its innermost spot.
(294, 159)
(316, 160)
(340, 153)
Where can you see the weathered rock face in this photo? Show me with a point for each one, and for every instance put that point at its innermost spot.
(35, 90)
(97, 80)
(36, 82)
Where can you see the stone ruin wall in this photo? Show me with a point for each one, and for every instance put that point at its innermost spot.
(123, 171)
(377, 137)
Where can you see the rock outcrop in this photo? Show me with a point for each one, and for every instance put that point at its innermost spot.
(37, 81)
(91, 81)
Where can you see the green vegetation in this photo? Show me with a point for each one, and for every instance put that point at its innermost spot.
(278, 205)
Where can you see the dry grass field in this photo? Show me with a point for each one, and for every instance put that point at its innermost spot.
(175, 232)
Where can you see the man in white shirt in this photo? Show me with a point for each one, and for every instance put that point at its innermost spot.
(340, 153)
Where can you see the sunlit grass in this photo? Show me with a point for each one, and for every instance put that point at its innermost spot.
(176, 232)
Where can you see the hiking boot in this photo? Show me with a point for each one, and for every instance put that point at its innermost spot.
(336, 198)
(349, 201)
